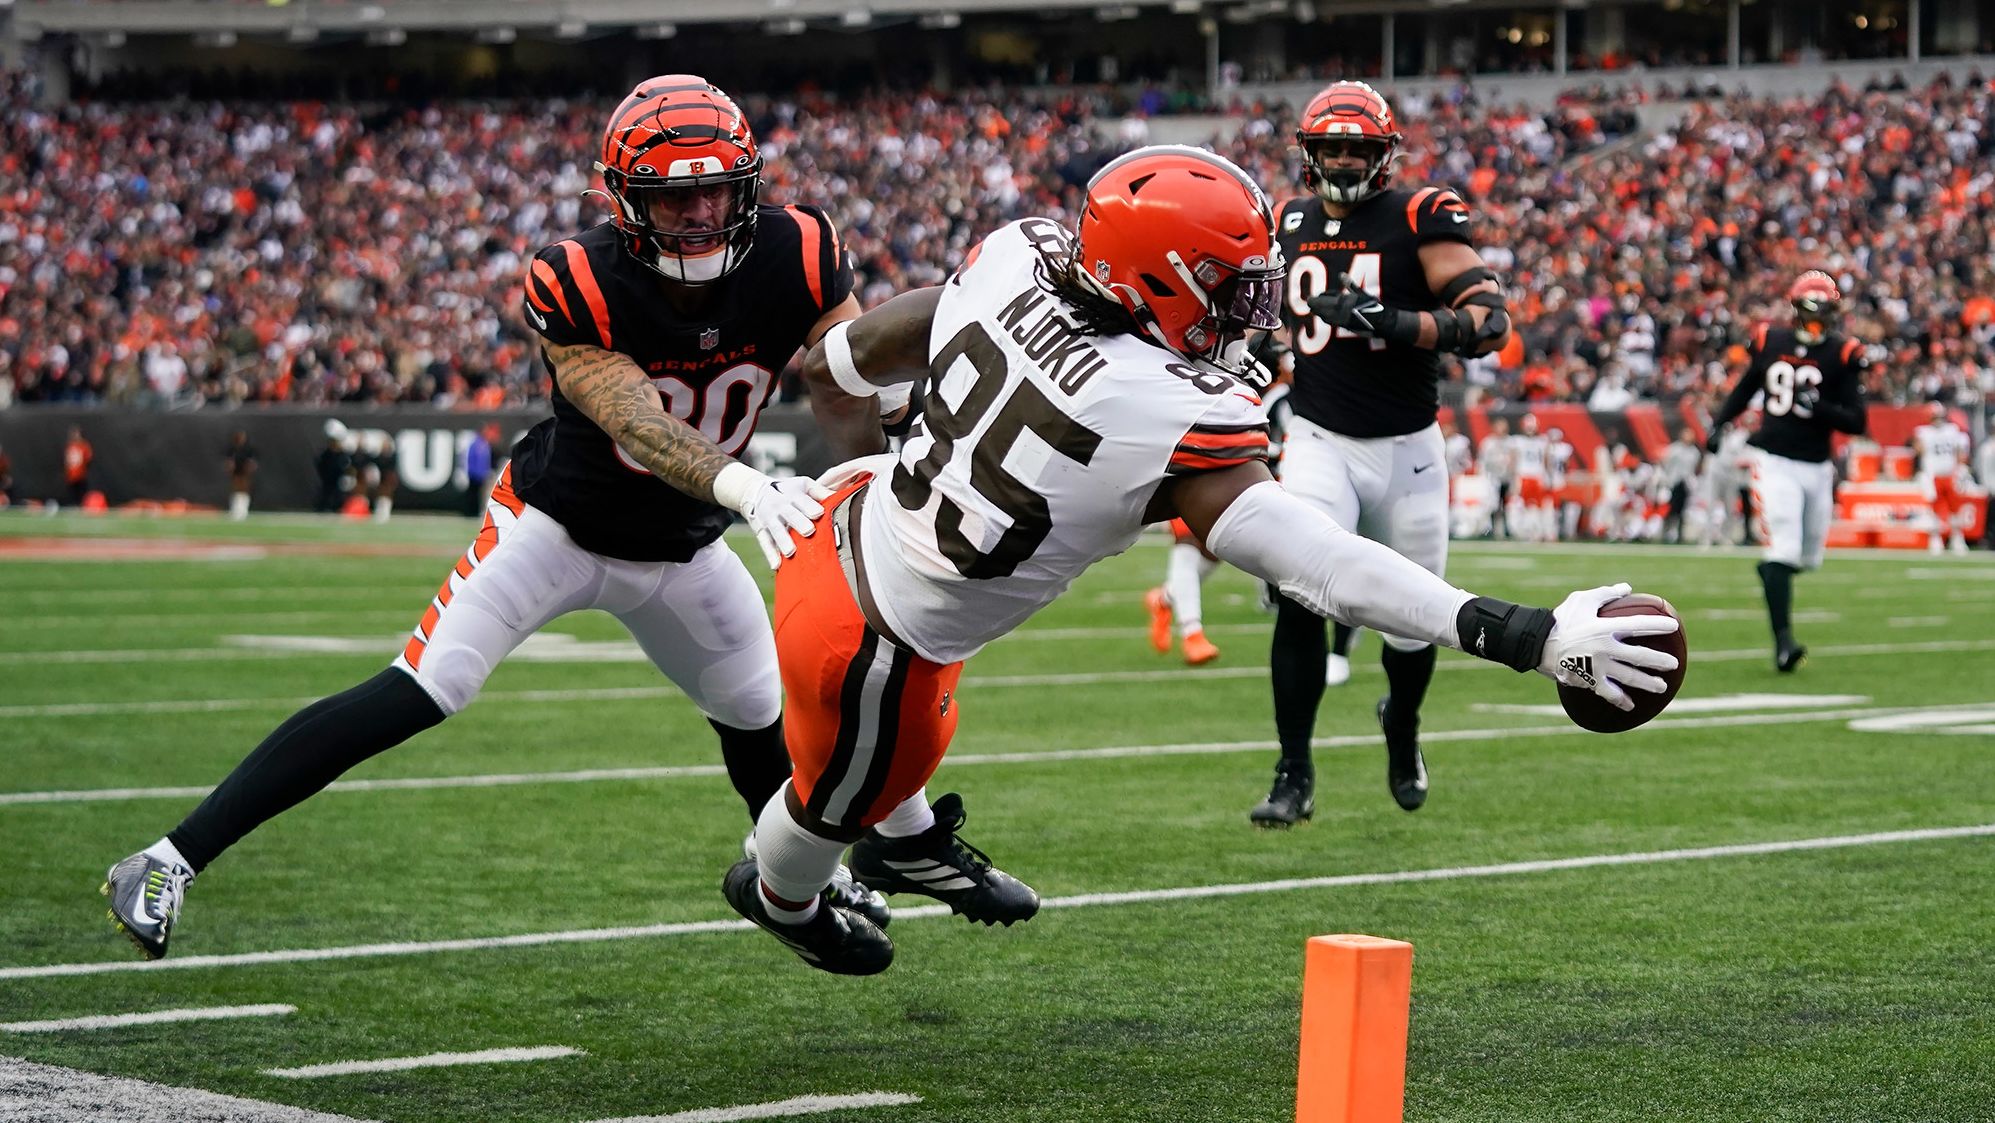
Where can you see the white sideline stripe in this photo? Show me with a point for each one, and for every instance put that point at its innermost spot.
(1087, 900)
(150, 1017)
(781, 1109)
(40, 1093)
(1106, 752)
(1097, 678)
(432, 1060)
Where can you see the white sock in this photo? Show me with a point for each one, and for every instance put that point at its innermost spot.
(911, 818)
(1181, 577)
(382, 508)
(239, 505)
(164, 851)
(795, 864)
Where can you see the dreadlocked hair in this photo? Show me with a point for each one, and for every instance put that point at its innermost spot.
(1095, 312)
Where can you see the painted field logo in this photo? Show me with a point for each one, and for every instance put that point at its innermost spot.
(1973, 720)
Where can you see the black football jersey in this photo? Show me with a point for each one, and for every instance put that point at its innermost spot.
(1353, 384)
(714, 370)
(1810, 391)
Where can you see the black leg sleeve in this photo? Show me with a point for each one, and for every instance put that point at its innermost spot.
(757, 762)
(1297, 657)
(1778, 578)
(1407, 674)
(307, 752)
(1340, 638)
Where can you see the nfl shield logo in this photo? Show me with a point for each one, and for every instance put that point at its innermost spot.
(709, 338)
(1331, 227)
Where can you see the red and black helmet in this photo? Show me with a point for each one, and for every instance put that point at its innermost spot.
(1185, 242)
(681, 168)
(1347, 118)
(1816, 301)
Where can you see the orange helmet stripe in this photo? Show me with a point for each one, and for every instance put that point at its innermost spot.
(592, 293)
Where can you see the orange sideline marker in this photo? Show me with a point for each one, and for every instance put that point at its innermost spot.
(1355, 996)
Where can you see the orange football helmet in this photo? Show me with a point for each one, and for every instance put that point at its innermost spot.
(1816, 299)
(1185, 242)
(1347, 118)
(681, 169)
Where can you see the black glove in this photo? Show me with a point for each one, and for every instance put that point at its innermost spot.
(1352, 308)
(1716, 438)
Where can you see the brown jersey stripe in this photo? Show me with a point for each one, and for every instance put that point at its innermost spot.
(813, 268)
(584, 277)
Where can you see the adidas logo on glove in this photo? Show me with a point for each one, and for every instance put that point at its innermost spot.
(1580, 668)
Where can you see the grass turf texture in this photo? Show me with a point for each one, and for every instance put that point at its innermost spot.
(1824, 985)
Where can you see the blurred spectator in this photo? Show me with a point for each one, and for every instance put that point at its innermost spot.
(7, 496)
(241, 460)
(478, 468)
(76, 456)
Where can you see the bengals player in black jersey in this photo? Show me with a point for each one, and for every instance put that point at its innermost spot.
(1810, 377)
(664, 329)
(1381, 281)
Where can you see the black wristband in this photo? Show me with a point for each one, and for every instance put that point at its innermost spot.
(1448, 333)
(1501, 632)
(1399, 326)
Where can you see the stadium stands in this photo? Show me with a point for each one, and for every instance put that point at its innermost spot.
(160, 254)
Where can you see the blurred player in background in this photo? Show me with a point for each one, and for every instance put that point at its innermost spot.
(673, 314)
(1177, 605)
(1942, 447)
(1680, 462)
(1497, 460)
(1530, 462)
(1810, 378)
(1382, 281)
(1119, 352)
(240, 458)
(76, 457)
(334, 465)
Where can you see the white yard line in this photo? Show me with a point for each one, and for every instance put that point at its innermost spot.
(432, 1060)
(1087, 900)
(1107, 752)
(1188, 674)
(38, 1093)
(781, 1109)
(150, 1017)
(1919, 621)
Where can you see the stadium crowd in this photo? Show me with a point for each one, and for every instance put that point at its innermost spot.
(171, 254)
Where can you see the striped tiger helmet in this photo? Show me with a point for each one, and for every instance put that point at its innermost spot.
(1816, 300)
(1347, 118)
(681, 170)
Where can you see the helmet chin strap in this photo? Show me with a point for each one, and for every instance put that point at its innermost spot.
(693, 270)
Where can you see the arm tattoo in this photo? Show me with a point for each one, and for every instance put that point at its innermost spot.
(609, 387)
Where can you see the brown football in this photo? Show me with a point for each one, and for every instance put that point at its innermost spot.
(1590, 711)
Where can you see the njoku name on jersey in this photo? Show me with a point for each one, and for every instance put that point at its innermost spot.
(1353, 384)
(1039, 450)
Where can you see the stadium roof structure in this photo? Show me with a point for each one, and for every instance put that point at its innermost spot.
(652, 18)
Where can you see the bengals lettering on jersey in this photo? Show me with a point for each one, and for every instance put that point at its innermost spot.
(714, 369)
(1350, 384)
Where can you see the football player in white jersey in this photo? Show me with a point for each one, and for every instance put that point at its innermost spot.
(1942, 447)
(1530, 460)
(1083, 385)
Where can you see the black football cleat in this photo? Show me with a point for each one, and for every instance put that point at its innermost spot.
(1788, 657)
(834, 939)
(1292, 800)
(1405, 768)
(936, 863)
(145, 900)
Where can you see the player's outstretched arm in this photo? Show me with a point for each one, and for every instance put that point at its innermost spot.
(861, 371)
(614, 392)
(1244, 517)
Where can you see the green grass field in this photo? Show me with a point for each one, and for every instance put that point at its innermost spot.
(1852, 981)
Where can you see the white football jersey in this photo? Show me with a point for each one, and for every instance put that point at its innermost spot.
(1528, 455)
(1942, 448)
(1460, 454)
(1039, 449)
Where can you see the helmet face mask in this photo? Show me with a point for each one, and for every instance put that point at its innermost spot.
(682, 171)
(1329, 170)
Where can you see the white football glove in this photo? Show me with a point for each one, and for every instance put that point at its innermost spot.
(1586, 649)
(775, 508)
